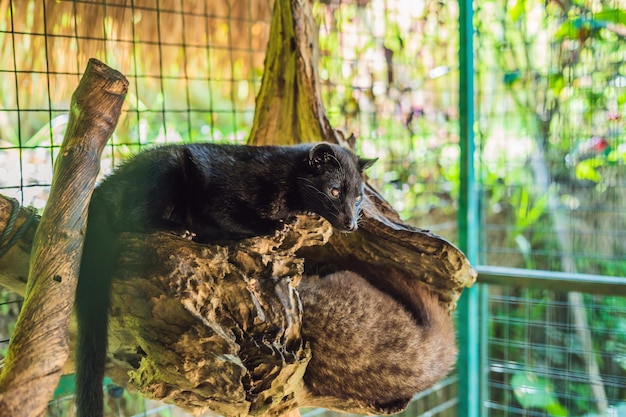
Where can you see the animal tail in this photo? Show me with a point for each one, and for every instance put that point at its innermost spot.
(92, 312)
(436, 325)
(437, 333)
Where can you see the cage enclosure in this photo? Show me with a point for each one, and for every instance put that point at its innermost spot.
(218, 327)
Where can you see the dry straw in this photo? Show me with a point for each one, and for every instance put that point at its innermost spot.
(173, 39)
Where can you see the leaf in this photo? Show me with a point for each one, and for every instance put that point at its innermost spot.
(518, 10)
(528, 212)
(617, 155)
(566, 30)
(512, 76)
(523, 244)
(611, 15)
(525, 248)
(523, 204)
(576, 28)
(556, 409)
(586, 170)
(532, 391)
(556, 83)
(537, 209)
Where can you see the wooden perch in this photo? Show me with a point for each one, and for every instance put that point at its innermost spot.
(219, 327)
(40, 344)
(213, 326)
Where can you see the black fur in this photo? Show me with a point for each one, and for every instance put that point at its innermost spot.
(215, 192)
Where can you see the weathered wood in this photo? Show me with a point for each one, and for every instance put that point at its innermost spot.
(14, 262)
(214, 327)
(218, 327)
(394, 256)
(39, 345)
(289, 106)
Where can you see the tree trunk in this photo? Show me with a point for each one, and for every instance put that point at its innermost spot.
(289, 106)
(17, 227)
(40, 344)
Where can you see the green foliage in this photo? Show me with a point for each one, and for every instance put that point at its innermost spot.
(378, 72)
(558, 69)
(564, 97)
(550, 78)
(532, 391)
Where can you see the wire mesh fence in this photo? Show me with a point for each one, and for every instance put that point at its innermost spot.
(544, 360)
(551, 129)
(185, 85)
(389, 73)
(550, 111)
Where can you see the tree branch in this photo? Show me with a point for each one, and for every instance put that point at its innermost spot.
(39, 345)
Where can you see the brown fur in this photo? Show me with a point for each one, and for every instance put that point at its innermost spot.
(367, 347)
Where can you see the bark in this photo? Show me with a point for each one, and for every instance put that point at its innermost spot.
(18, 235)
(39, 345)
(218, 327)
(214, 327)
(289, 106)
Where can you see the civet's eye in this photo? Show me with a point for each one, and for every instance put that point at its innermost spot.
(334, 192)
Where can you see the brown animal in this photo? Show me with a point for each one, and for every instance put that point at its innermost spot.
(366, 346)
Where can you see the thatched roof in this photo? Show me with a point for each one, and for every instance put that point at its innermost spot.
(223, 39)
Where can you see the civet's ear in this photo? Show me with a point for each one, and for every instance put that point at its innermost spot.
(321, 154)
(366, 163)
(351, 141)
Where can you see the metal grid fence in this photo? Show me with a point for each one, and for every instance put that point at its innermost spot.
(544, 360)
(185, 85)
(551, 169)
(550, 126)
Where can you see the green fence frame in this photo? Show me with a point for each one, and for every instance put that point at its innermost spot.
(469, 317)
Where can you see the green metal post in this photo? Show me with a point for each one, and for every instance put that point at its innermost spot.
(469, 363)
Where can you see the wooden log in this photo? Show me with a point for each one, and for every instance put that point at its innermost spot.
(17, 227)
(217, 327)
(213, 327)
(40, 345)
